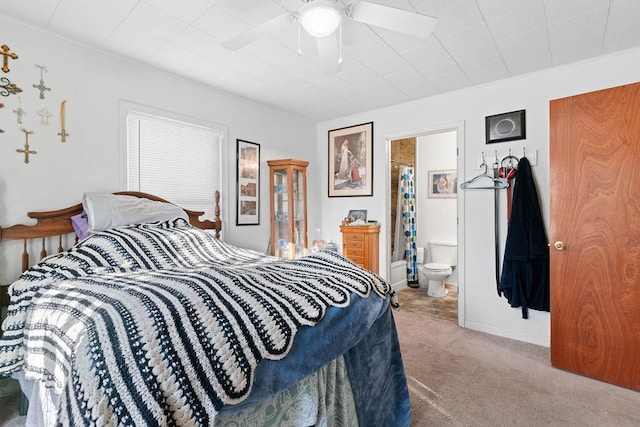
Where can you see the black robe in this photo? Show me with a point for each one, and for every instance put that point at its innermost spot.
(525, 269)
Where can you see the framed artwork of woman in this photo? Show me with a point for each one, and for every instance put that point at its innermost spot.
(351, 161)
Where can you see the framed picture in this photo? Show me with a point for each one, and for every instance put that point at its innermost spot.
(443, 184)
(351, 161)
(505, 127)
(247, 183)
(358, 216)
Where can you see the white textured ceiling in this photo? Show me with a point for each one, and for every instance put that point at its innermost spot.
(474, 42)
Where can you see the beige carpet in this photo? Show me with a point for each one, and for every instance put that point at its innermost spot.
(461, 377)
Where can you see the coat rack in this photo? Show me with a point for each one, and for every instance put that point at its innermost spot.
(532, 155)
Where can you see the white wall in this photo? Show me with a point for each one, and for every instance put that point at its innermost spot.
(93, 82)
(482, 308)
(436, 217)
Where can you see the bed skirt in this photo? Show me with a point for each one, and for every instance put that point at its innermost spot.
(323, 398)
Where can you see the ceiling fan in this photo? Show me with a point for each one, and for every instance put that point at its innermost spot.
(321, 19)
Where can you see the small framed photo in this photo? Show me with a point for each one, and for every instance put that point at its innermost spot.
(505, 127)
(248, 183)
(358, 216)
(351, 161)
(443, 184)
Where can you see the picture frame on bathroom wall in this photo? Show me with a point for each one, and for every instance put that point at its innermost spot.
(443, 184)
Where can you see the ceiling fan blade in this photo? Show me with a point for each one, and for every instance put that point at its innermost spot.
(328, 53)
(260, 31)
(391, 18)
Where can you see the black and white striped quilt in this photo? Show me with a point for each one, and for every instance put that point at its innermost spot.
(162, 324)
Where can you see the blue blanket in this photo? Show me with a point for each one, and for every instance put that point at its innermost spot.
(374, 363)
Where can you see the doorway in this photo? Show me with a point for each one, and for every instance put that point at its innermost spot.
(432, 153)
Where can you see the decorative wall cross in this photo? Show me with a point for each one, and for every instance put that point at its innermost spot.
(26, 150)
(5, 57)
(63, 133)
(40, 86)
(8, 88)
(19, 112)
(44, 116)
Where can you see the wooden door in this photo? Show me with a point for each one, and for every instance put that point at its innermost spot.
(595, 212)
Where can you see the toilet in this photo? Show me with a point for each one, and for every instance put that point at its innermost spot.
(444, 257)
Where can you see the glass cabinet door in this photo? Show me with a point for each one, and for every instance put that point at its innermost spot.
(281, 212)
(300, 214)
(288, 208)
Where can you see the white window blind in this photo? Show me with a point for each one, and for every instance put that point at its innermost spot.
(175, 160)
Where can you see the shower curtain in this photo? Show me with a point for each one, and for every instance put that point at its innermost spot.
(406, 222)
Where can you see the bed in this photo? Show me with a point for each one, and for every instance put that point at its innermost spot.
(159, 322)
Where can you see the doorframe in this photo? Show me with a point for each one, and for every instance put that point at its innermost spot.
(457, 126)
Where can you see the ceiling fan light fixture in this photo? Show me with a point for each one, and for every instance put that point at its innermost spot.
(320, 19)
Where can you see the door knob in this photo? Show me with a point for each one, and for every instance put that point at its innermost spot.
(560, 245)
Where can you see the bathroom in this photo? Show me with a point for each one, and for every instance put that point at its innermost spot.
(434, 157)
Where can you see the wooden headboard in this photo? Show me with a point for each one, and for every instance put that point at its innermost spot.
(57, 224)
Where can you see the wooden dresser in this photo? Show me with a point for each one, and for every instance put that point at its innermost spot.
(360, 245)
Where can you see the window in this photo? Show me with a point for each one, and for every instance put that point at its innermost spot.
(173, 159)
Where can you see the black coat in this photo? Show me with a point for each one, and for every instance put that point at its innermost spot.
(525, 269)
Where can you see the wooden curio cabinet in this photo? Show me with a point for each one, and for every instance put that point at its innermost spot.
(288, 183)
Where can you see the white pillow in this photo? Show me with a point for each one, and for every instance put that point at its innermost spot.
(106, 211)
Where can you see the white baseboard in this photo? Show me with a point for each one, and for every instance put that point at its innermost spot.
(505, 333)
(399, 285)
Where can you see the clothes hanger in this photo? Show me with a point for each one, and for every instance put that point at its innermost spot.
(497, 183)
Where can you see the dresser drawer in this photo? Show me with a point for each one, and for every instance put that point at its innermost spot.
(352, 252)
(351, 245)
(352, 237)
